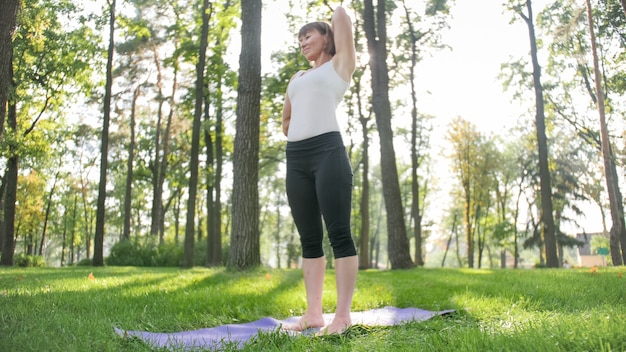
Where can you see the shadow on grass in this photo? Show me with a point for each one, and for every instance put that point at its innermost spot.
(88, 302)
(244, 296)
(538, 290)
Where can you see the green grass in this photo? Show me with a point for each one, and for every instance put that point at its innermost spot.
(497, 310)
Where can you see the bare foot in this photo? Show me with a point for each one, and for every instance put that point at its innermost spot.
(305, 322)
(337, 326)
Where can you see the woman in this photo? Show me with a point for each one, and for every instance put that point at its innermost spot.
(319, 175)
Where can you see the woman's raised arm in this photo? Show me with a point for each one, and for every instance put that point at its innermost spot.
(344, 60)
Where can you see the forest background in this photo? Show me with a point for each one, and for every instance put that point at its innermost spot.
(192, 169)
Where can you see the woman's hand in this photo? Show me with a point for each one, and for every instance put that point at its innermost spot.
(286, 115)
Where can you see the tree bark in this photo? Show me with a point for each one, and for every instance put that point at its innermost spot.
(98, 250)
(618, 230)
(42, 244)
(376, 33)
(245, 242)
(364, 255)
(214, 228)
(128, 192)
(8, 247)
(415, 157)
(216, 238)
(161, 150)
(210, 180)
(188, 259)
(547, 217)
(8, 22)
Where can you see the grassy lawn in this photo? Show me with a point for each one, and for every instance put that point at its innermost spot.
(75, 309)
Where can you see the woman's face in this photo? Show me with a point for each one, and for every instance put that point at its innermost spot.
(313, 44)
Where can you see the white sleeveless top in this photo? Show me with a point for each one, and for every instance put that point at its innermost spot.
(314, 97)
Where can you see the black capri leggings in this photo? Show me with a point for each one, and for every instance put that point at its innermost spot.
(319, 184)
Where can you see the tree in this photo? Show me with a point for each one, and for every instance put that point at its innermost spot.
(49, 201)
(38, 91)
(509, 174)
(98, 251)
(220, 77)
(188, 260)
(466, 143)
(568, 87)
(547, 217)
(374, 25)
(245, 237)
(8, 22)
(618, 229)
(130, 164)
(419, 130)
(154, 34)
(365, 261)
(29, 210)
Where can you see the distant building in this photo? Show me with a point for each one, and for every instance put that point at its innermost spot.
(585, 257)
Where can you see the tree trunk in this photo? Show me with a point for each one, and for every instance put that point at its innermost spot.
(159, 162)
(188, 259)
(210, 179)
(214, 228)
(129, 169)
(279, 224)
(88, 219)
(3, 186)
(364, 239)
(364, 257)
(375, 239)
(42, 244)
(453, 231)
(469, 230)
(177, 205)
(216, 240)
(547, 218)
(98, 250)
(8, 248)
(214, 179)
(618, 230)
(64, 238)
(156, 210)
(73, 233)
(415, 157)
(515, 235)
(376, 33)
(8, 22)
(245, 242)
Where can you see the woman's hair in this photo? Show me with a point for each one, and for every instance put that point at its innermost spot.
(324, 29)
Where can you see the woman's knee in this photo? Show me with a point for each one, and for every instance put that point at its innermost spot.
(312, 246)
(342, 244)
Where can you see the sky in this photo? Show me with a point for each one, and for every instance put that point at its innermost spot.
(482, 38)
(460, 81)
(463, 80)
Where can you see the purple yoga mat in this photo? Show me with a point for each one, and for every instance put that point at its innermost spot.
(214, 338)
